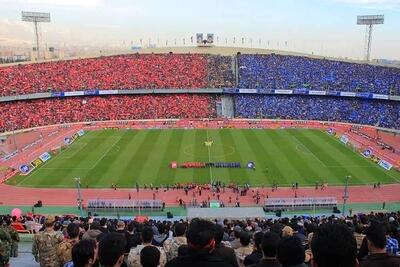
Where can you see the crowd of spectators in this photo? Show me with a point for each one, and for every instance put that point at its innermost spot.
(370, 112)
(197, 71)
(25, 114)
(323, 241)
(221, 71)
(119, 72)
(295, 72)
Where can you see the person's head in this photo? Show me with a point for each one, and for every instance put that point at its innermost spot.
(258, 239)
(84, 253)
(287, 231)
(120, 225)
(147, 234)
(219, 233)
(150, 256)
(73, 230)
(200, 235)
(131, 227)
(50, 221)
(291, 251)
(180, 229)
(332, 245)
(376, 237)
(95, 225)
(8, 220)
(111, 249)
(245, 239)
(237, 231)
(269, 244)
(103, 222)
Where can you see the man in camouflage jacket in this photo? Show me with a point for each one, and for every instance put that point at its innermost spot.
(5, 240)
(45, 244)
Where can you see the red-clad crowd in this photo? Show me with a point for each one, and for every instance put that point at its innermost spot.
(25, 114)
(113, 72)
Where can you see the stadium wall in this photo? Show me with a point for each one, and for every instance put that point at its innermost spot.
(223, 91)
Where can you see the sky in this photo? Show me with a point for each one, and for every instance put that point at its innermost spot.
(324, 27)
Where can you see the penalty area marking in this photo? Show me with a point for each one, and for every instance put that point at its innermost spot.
(71, 155)
(88, 168)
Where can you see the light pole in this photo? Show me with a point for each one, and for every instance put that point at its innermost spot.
(346, 194)
(78, 187)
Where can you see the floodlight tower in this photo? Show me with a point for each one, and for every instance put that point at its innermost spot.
(36, 17)
(369, 21)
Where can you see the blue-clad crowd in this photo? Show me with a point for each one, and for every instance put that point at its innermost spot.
(361, 111)
(293, 72)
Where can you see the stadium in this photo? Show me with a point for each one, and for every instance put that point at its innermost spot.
(254, 139)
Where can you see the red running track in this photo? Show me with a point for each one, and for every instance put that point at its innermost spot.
(22, 196)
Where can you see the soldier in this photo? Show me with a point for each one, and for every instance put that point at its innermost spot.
(14, 239)
(45, 244)
(171, 246)
(64, 250)
(5, 240)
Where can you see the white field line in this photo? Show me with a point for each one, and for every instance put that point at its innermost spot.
(75, 152)
(105, 153)
(315, 156)
(374, 165)
(29, 175)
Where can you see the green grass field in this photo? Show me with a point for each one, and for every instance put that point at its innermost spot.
(125, 157)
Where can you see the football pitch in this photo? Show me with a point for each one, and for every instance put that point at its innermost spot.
(127, 157)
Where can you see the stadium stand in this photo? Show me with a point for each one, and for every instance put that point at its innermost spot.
(190, 71)
(294, 72)
(26, 114)
(118, 72)
(370, 112)
(316, 236)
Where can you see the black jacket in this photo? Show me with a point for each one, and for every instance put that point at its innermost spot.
(226, 254)
(381, 260)
(253, 258)
(197, 261)
(267, 263)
